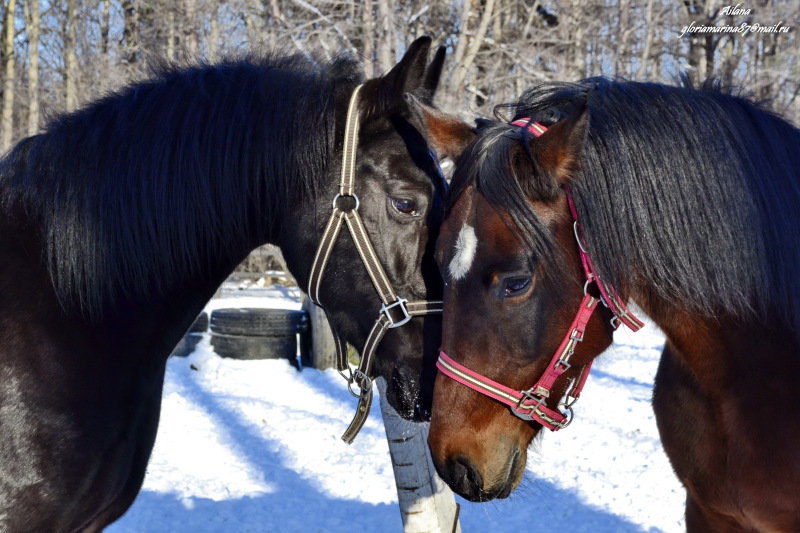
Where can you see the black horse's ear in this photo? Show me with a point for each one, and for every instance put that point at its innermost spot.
(446, 134)
(407, 75)
(432, 75)
(558, 150)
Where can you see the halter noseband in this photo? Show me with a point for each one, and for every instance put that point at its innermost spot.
(394, 311)
(530, 404)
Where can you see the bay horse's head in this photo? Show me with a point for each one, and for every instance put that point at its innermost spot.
(513, 285)
(397, 192)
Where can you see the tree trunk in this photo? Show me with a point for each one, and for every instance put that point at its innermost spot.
(130, 39)
(171, 34)
(385, 55)
(622, 56)
(576, 60)
(32, 28)
(641, 73)
(213, 36)
(189, 25)
(426, 503)
(105, 25)
(465, 66)
(368, 39)
(71, 57)
(8, 80)
(452, 98)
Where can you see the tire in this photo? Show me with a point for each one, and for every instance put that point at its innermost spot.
(186, 345)
(249, 348)
(322, 352)
(258, 322)
(200, 325)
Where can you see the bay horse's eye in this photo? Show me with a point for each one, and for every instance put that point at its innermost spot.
(516, 286)
(405, 206)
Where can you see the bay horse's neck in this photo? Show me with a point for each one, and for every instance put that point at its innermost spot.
(725, 398)
(753, 365)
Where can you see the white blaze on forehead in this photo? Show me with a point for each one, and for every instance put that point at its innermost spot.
(466, 246)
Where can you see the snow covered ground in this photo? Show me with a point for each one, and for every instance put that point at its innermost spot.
(255, 446)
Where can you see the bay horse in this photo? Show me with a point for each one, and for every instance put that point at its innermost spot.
(120, 220)
(685, 200)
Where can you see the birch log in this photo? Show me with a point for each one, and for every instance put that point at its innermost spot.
(427, 504)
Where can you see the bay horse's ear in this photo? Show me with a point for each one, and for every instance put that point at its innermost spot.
(447, 135)
(558, 150)
(407, 75)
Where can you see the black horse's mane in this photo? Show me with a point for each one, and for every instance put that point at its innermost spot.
(694, 192)
(135, 191)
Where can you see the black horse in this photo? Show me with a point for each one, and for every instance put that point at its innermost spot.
(120, 220)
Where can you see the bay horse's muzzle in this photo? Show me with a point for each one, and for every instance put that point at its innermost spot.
(465, 478)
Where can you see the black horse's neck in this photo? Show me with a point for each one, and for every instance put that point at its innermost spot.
(171, 182)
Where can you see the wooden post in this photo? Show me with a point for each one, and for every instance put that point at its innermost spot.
(427, 504)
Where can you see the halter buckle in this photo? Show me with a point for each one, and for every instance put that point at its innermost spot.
(526, 412)
(401, 304)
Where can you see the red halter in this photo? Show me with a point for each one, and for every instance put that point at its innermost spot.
(530, 404)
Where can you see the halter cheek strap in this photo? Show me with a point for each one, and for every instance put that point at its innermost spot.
(394, 310)
(530, 404)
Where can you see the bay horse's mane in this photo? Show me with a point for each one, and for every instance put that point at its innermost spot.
(693, 192)
(134, 191)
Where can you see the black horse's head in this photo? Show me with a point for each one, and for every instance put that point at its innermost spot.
(399, 186)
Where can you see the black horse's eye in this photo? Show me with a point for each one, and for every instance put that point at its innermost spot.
(516, 286)
(405, 206)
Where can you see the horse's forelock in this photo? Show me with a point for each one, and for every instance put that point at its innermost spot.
(490, 165)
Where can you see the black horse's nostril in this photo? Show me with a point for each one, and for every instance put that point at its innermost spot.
(465, 479)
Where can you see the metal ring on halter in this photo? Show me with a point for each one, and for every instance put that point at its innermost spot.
(339, 195)
(350, 389)
(362, 381)
(569, 414)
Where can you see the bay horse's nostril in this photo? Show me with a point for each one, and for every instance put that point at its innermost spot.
(465, 479)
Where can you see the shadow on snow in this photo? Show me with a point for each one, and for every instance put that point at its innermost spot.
(298, 505)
